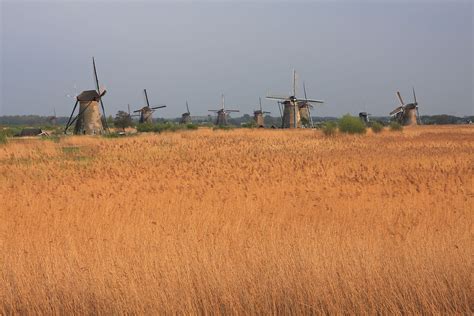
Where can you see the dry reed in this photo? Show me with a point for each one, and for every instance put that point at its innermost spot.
(239, 222)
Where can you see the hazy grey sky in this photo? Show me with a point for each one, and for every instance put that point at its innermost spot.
(354, 55)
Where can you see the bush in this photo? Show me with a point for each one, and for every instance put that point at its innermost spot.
(395, 126)
(191, 126)
(3, 137)
(329, 128)
(376, 127)
(351, 125)
(250, 124)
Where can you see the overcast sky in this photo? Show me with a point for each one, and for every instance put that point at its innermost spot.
(354, 55)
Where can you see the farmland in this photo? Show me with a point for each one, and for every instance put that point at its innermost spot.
(240, 222)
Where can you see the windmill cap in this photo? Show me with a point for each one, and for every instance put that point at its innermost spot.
(88, 95)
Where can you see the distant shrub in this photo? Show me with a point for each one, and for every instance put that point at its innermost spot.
(396, 127)
(351, 125)
(329, 128)
(3, 137)
(376, 127)
(250, 124)
(191, 126)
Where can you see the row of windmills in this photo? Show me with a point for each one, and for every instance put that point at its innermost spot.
(295, 112)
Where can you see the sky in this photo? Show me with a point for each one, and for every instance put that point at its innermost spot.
(354, 55)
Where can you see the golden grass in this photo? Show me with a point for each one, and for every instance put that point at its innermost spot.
(240, 222)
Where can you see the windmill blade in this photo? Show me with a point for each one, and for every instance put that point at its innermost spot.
(414, 95)
(230, 111)
(260, 102)
(294, 82)
(274, 97)
(213, 110)
(187, 107)
(158, 107)
(304, 89)
(70, 117)
(98, 91)
(266, 112)
(128, 106)
(397, 110)
(279, 108)
(400, 98)
(311, 101)
(418, 116)
(136, 111)
(146, 98)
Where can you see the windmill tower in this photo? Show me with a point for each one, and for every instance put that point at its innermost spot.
(258, 115)
(146, 112)
(293, 107)
(88, 120)
(406, 114)
(222, 113)
(186, 117)
(52, 119)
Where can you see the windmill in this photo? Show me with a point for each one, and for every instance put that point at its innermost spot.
(52, 119)
(258, 115)
(305, 110)
(365, 117)
(88, 120)
(406, 114)
(222, 113)
(291, 107)
(146, 112)
(186, 117)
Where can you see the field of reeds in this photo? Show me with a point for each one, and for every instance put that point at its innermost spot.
(239, 222)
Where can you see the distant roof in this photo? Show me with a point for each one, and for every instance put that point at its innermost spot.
(88, 95)
(31, 132)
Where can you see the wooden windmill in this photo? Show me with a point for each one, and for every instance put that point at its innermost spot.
(88, 120)
(186, 117)
(406, 114)
(146, 112)
(292, 107)
(258, 115)
(222, 113)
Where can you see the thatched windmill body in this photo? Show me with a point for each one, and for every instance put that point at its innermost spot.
(258, 115)
(293, 107)
(222, 113)
(406, 114)
(88, 121)
(146, 112)
(186, 117)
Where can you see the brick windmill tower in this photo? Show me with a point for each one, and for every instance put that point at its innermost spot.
(258, 115)
(222, 113)
(146, 112)
(89, 120)
(291, 117)
(406, 114)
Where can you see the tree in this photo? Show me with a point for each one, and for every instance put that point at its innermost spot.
(122, 120)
